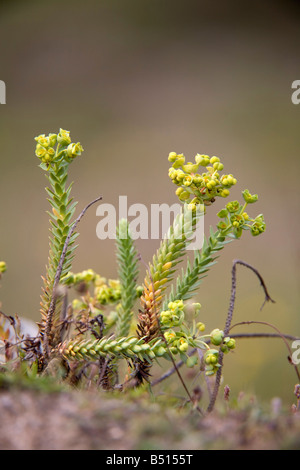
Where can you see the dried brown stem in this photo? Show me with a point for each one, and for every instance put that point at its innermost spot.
(229, 320)
(283, 337)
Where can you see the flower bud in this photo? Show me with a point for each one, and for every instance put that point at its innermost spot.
(52, 139)
(233, 206)
(237, 220)
(214, 160)
(217, 337)
(230, 343)
(183, 346)
(202, 160)
(43, 140)
(2, 266)
(218, 166)
(172, 157)
(180, 160)
(258, 225)
(63, 137)
(249, 198)
(170, 336)
(197, 306)
(225, 193)
(200, 326)
(40, 151)
(172, 173)
(223, 213)
(222, 225)
(74, 150)
(210, 184)
(187, 180)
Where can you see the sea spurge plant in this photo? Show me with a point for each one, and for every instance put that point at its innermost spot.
(163, 317)
(109, 320)
(55, 153)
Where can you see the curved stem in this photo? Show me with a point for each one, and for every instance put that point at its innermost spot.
(229, 320)
(283, 337)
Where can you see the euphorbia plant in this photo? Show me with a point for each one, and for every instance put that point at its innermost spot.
(56, 152)
(103, 324)
(100, 320)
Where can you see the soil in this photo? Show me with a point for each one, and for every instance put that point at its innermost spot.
(89, 420)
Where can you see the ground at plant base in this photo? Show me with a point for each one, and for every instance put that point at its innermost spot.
(33, 419)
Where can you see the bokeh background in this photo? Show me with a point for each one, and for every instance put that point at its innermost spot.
(133, 80)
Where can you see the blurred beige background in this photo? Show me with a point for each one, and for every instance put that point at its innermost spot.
(133, 80)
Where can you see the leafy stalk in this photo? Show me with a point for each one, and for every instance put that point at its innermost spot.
(125, 347)
(128, 273)
(190, 279)
(56, 153)
(160, 271)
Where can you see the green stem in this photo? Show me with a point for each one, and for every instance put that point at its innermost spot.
(128, 273)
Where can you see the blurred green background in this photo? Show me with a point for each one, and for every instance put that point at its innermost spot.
(133, 80)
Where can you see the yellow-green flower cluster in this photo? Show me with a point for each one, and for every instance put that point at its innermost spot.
(228, 344)
(211, 358)
(2, 267)
(258, 226)
(174, 316)
(199, 188)
(177, 341)
(217, 339)
(85, 276)
(236, 219)
(107, 292)
(65, 149)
